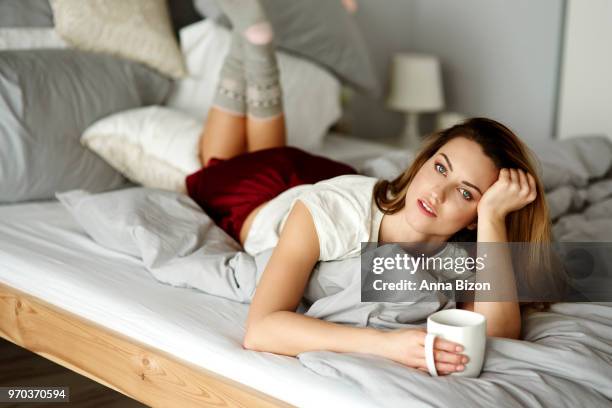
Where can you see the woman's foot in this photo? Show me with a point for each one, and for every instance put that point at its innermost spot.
(247, 16)
(263, 94)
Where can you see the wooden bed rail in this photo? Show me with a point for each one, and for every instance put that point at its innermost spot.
(141, 372)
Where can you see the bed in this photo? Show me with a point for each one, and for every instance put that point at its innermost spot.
(101, 313)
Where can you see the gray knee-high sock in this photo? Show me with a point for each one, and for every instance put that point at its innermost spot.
(264, 93)
(231, 91)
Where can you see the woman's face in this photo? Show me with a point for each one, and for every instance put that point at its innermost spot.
(451, 184)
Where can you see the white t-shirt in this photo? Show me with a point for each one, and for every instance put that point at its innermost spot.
(343, 211)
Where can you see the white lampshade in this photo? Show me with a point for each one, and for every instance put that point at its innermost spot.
(416, 84)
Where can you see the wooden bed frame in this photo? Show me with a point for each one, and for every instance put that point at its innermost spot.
(141, 372)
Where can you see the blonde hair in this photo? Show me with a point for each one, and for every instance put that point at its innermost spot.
(535, 269)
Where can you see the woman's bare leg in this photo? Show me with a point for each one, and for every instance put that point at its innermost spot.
(226, 135)
(223, 136)
(265, 134)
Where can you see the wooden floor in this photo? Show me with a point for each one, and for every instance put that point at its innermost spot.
(19, 366)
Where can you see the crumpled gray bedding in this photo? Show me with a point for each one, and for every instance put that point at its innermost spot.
(565, 360)
(578, 184)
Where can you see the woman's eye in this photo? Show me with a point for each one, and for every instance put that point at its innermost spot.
(440, 166)
(466, 195)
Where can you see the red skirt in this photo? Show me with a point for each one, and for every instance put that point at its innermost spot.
(228, 190)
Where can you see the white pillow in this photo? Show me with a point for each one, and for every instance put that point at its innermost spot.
(154, 146)
(29, 38)
(139, 30)
(311, 94)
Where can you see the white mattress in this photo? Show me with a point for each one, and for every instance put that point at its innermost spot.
(45, 253)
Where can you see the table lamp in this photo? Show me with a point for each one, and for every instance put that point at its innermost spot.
(416, 87)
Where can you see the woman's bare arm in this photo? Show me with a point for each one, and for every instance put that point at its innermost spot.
(272, 323)
(513, 190)
(503, 318)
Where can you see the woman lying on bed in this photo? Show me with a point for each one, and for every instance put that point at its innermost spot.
(474, 181)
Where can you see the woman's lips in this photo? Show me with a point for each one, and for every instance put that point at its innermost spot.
(424, 210)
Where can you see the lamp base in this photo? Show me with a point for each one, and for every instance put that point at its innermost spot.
(411, 137)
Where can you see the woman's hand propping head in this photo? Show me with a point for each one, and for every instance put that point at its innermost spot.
(513, 190)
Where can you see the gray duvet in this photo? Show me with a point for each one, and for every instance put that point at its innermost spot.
(565, 358)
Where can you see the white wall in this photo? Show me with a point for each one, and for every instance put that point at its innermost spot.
(585, 103)
(499, 58)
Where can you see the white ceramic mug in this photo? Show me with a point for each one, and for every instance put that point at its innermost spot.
(460, 326)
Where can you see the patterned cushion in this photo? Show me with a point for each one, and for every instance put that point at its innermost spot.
(139, 30)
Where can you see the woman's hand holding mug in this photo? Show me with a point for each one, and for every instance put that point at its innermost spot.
(407, 346)
(467, 328)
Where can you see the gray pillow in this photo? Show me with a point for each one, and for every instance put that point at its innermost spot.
(25, 13)
(47, 99)
(320, 30)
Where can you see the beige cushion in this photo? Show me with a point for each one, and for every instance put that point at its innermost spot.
(139, 30)
(154, 146)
